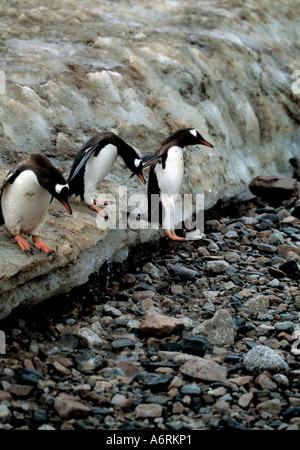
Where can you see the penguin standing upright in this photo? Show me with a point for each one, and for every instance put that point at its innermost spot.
(165, 177)
(25, 196)
(93, 162)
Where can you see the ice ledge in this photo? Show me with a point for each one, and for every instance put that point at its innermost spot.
(82, 245)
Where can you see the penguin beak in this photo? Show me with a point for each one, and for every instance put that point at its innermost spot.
(204, 142)
(141, 177)
(67, 206)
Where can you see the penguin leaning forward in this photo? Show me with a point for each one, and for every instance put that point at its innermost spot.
(93, 162)
(165, 177)
(25, 196)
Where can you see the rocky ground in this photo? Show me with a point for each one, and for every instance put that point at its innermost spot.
(202, 335)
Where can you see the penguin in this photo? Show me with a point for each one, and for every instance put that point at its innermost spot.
(94, 161)
(25, 195)
(165, 177)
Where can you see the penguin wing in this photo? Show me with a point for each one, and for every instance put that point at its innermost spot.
(154, 202)
(150, 160)
(10, 178)
(81, 161)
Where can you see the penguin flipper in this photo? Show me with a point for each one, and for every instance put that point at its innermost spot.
(149, 160)
(154, 201)
(10, 178)
(77, 167)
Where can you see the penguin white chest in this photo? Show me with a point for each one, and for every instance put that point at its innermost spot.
(25, 204)
(97, 167)
(170, 176)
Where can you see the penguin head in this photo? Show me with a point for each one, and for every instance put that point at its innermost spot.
(135, 164)
(61, 192)
(137, 169)
(190, 136)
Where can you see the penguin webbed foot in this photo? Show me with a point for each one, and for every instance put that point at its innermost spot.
(23, 244)
(172, 235)
(42, 246)
(99, 211)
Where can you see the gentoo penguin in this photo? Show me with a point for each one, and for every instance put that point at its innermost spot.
(25, 196)
(93, 162)
(165, 177)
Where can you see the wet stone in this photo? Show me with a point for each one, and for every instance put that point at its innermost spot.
(88, 362)
(182, 272)
(28, 376)
(195, 345)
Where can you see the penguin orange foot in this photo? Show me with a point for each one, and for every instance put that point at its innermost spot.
(99, 211)
(172, 235)
(23, 243)
(41, 245)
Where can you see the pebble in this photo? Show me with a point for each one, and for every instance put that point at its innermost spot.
(148, 410)
(159, 325)
(219, 330)
(217, 267)
(5, 413)
(88, 338)
(203, 369)
(198, 335)
(68, 407)
(182, 272)
(262, 358)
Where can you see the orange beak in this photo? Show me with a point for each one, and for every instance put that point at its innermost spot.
(67, 206)
(206, 143)
(141, 177)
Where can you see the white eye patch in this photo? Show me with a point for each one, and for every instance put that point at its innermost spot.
(193, 132)
(59, 187)
(137, 162)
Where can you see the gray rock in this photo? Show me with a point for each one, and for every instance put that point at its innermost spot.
(203, 369)
(271, 406)
(5, 413)
(190, 389)
(276, 238)
(88, 338)
(286, 326)
(111, 311)
(182, 272)
(220, 330)
(150, 269)
(259, 303)
(216, 267)
(281, 380)
(262, 358)
(88, 361)
(263, 247)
